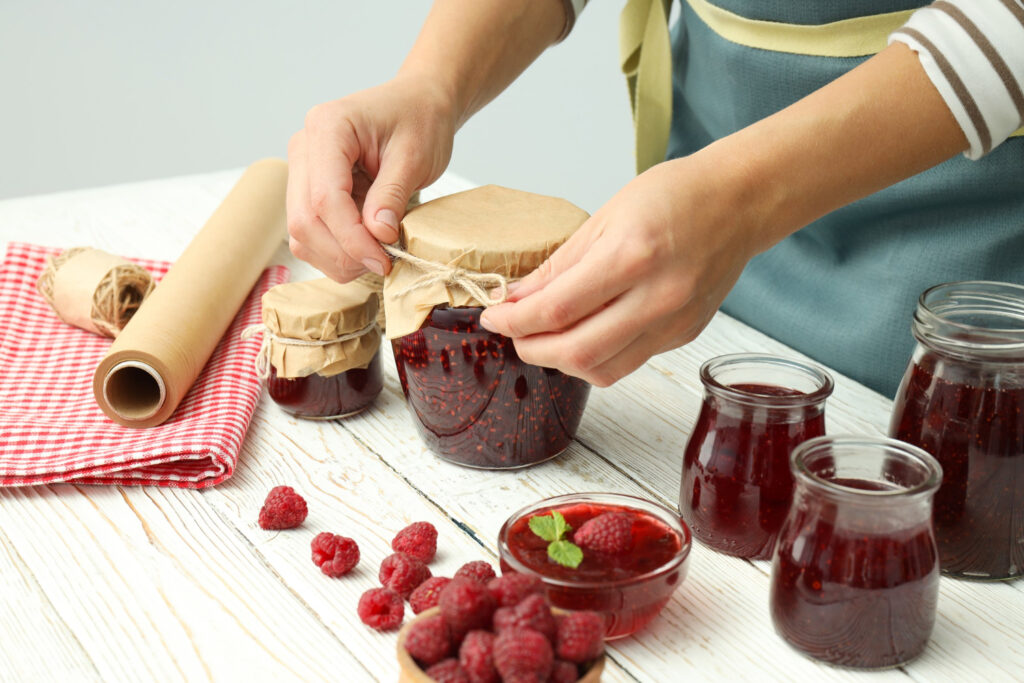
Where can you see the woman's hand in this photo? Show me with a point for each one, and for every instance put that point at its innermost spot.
(643, 275)
(354, 166)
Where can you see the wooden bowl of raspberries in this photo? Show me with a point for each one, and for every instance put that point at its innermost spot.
(504, 630)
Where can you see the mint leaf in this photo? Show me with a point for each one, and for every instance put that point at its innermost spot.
(545, 526)
(565, 553)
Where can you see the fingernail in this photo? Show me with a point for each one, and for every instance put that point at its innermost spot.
(512, 287)
(388, 218)
(374, 266)
(486, 323)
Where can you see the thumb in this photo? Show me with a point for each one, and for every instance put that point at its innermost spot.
(385, 203)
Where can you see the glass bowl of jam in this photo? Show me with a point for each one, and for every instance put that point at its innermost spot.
(736, 483)
(629, 587)
(475, 403)
(855, 575)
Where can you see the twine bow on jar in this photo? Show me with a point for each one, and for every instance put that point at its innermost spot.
(262, 362)
(478, 285)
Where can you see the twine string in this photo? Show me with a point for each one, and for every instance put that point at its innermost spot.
(262, 362)
(478, 285)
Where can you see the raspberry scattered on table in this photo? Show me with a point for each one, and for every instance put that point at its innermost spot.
(611, 532)
(428, 640)
(509, 589)
(579, 636)
(523, 651)
(402, 573)
(427, 593)
(283, 509)
(381, 608)
(335, 555)
(418, 540)
(478, 570)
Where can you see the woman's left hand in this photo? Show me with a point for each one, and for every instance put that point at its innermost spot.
(645, 274)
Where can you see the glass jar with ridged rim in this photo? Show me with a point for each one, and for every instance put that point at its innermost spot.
(962, 400)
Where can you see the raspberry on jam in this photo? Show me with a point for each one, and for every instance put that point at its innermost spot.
(628, 589)
(476, 403)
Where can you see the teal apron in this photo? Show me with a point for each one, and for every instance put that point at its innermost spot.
(842, 290)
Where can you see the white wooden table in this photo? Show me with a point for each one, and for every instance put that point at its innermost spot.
(161, 584)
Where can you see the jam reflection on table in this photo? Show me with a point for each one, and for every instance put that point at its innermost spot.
(854, 598)
(316, 396)
(975, 429)
(627, 605)
(476, 403)
(737, 485)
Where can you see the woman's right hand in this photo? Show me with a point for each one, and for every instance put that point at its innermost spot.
(353, 167)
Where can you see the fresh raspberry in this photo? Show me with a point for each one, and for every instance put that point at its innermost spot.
(283, 509)
(611, 532)
(476, 655)
(478, 570)
(579, 636)
(533, 611)
(466, 605)
(447, 671)
(418, 540)
(564, 672)
(427, 593)
(381, 608)
(521, 651)
(402, 573)
(510, 588)
(428, 641)
(335, 555)
(523, 677)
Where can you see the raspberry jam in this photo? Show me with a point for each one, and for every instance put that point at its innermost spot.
(736, 484)
(476, 403)
(326, 398)
(629, 589)
(962, 400)
(855, 576)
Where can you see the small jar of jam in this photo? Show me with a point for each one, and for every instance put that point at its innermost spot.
(962, 400)
(855, 575)
(473, 400)
(736, 483)
(321, 348)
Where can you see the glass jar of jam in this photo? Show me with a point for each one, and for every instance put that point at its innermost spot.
(476, 403)
(855, 575)
(473, 400)
(321, 348)
(962, 400)
(736, 484)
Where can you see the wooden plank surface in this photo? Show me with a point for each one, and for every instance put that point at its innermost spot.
(111, 583)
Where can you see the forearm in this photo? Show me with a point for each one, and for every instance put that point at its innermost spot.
(878, 124)
(473, 49)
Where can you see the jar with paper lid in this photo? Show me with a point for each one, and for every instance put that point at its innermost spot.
(321, 343)
(473, 400)
(962, 400)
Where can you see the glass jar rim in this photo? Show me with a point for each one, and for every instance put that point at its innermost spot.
(663, 513)
(823, 379)
(931, 475)
(936, 322)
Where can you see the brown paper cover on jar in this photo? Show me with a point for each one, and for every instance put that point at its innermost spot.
(319, 311)
(488, 229)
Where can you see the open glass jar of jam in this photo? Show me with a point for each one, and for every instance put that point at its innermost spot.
(855, 575)
(321, 344)
(736, 484)
(962, 400)
(473, 400)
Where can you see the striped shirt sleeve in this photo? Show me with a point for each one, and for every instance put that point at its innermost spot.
(973, 52)
(572, 10)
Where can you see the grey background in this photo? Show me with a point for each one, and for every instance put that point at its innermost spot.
(96, 93)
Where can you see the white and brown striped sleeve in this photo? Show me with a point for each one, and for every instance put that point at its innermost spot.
(973, 52)
(572, 10)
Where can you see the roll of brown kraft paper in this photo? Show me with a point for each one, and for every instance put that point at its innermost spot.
(158, 356)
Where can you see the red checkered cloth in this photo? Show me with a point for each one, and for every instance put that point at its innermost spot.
(50, 426)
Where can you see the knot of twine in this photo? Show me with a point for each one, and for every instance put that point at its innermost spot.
(477, 285)
(262, 362)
